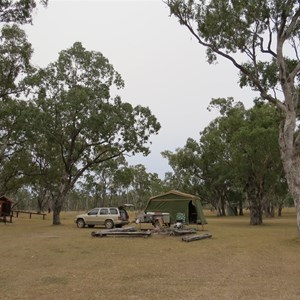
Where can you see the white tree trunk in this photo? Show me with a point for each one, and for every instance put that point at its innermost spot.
(291, 158)
(293, 179)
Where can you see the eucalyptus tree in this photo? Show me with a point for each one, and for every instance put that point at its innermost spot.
(244, 155)
(18, 11)
(186, 166)
(103, 181)
(15, 55)
(15, 74)
(236, 159)
(217, 165)
(260, 38)
(157, 185)
(256, 159)
(15, 69)
(77, 124)
(123, 180)
(140, 189)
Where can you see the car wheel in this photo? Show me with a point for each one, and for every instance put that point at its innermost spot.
(109, 224)
(80, 223)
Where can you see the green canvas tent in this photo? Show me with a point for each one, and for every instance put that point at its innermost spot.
(176, 203)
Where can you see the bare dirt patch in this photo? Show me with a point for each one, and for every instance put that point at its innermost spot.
(42, 261)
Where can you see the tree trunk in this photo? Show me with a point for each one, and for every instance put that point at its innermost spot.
(221, 211)
(269, 210)
(58, 203)
(293, 179)
(255, 213)
(290, 149)
(56, 214)
(57, 208)
(241, 213)
(255, 204)
(279, 210)
(254, 192)
(221, 207)
(272, 211)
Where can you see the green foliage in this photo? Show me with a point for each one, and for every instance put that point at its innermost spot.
(15, 54)
(253, 35)
(115, 183)
(186, 165)
(107, 180)
(69, 125)
(18, 11)
(69, 122)
(74, 102)
(236, 159)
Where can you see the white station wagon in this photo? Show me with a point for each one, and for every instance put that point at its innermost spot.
(110, 217)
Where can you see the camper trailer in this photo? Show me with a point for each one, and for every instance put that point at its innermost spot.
(176, 203)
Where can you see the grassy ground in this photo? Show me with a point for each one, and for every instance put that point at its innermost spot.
(42, 261)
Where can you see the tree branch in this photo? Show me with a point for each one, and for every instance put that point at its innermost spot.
(216, 50)
(269, 50)
(292, 25)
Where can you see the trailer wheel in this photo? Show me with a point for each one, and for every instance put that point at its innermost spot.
(156, 224)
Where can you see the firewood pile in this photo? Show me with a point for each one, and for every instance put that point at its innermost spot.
(189, 235)
(126, 231)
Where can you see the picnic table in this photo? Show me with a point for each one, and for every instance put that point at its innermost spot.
(28, 212)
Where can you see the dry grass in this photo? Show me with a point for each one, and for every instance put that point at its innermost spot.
(42, 261)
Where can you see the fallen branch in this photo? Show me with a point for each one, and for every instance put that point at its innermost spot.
(190, 238)
(120, 233)
(183, 231)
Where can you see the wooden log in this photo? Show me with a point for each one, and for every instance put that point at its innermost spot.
(96, 234)
(183, 231)
(120, 233)
(136, 233)
(122, 229)
(196, 237)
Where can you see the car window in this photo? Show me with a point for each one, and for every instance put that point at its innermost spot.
(93, 212)
(104, 211)
(113, 211)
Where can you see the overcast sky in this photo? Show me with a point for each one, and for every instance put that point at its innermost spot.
(161, 63)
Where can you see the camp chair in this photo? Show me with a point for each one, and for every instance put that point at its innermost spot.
(180, 220)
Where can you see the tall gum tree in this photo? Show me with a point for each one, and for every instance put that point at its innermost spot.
(260, 38)
(77, 124)
(15, 68)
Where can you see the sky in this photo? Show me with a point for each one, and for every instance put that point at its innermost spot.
(163, 66)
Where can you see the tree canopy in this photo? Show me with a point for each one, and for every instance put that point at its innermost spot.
(19, 11)
(15, 68)
(60, 121)
(236, 162)
(77, 124)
